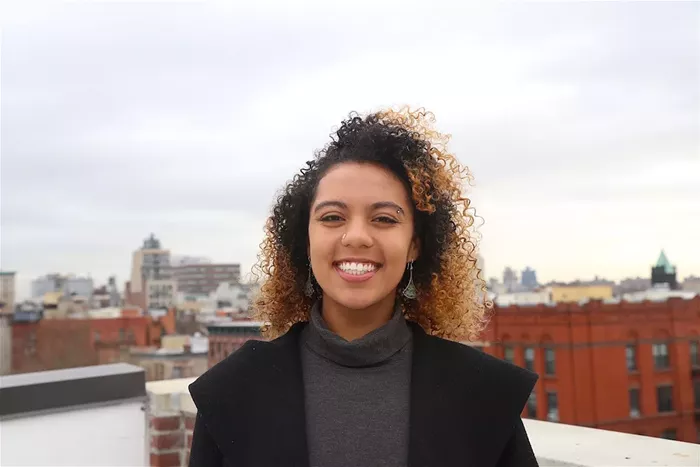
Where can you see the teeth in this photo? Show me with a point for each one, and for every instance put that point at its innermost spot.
(357, 268)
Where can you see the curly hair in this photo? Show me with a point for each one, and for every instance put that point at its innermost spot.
(451, 301)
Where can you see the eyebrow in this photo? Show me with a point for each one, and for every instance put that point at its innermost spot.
(374, 207)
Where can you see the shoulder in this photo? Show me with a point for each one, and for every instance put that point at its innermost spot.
(473, 370)
(248, 363)
(464, 358)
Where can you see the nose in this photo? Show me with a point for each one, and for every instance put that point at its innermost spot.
(357, 235)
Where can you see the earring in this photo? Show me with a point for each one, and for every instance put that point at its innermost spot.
(309, 286)
(410, 291)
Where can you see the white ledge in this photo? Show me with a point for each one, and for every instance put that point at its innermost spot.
(566, 445)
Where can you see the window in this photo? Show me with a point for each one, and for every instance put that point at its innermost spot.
(509, 354)
(660, 353)
(549, 363)
(96, 336)
(669, 434)
(532, 405)
(121, 335)
(631, 357)
(552, 406)
(530, 358)
(694, 353)
(634, 403)
(177, 372)
(664, 398)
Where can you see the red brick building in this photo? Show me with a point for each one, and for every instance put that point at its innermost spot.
(227, 337)
(629, 367)
(50, 344)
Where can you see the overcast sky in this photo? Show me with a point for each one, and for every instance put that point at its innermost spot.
(580, 122)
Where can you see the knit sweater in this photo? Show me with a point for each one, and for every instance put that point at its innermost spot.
(357, 394)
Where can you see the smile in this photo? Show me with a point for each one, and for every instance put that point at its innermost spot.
(356, 271)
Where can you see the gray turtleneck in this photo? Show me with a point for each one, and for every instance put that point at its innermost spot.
(357, 394)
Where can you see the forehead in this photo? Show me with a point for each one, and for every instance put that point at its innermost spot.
(361, 183)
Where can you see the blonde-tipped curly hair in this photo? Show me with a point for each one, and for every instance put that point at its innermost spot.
(451, 301)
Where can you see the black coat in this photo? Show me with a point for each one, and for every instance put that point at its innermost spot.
(465, 407)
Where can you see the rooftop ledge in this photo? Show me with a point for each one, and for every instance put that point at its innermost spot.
(567, 445)
(29, 393)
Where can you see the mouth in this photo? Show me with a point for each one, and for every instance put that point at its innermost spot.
(356, 271)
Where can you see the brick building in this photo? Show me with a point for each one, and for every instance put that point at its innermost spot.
(629, 367)
(227, 337)
(50, 344)
(203, 279)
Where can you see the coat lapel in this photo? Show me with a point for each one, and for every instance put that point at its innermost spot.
(464, 403)
(253, 404)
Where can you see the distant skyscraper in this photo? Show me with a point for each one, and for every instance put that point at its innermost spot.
(510, 279)
(528, 279)
(664, 272)
(152, 284)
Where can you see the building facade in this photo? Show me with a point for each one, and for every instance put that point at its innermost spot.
(567, 293)
(691, 284)
(227, 337)
(66, 284)
(203, 279)
(161, 364)
(629, 367)
(5, 343)
(49, 344)
(7, 291)
(151, 284)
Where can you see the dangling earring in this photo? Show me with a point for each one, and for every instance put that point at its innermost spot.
(309, 287)
(410, 291)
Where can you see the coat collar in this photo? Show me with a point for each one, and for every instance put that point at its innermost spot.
(464, 403)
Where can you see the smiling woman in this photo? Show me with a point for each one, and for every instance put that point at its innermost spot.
(368, 268)
(388, 158)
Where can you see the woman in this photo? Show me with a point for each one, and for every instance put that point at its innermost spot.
(369, 277)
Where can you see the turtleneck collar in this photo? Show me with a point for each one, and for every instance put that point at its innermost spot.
(371, 349)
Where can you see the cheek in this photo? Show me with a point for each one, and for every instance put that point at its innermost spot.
(397, 251)
(320, 245)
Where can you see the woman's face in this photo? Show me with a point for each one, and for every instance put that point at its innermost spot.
(360, 234)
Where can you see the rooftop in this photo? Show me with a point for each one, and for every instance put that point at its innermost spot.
(113, 398)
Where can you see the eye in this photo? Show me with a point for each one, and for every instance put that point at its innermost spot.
(386, 220)
(331, 218)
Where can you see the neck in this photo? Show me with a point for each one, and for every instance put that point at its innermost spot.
(353, 324)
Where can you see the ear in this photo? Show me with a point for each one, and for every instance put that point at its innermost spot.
(414, 249)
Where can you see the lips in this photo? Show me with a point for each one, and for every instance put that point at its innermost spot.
(357, 268)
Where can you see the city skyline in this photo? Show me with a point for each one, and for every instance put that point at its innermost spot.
(579, 121)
